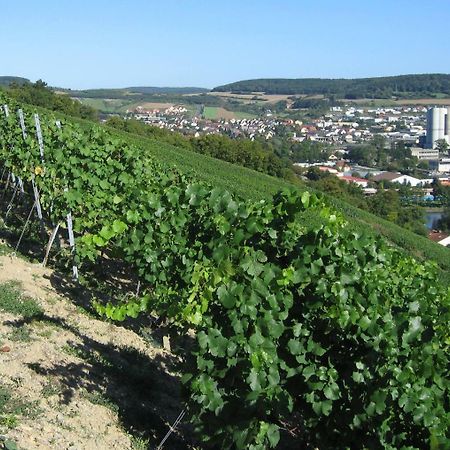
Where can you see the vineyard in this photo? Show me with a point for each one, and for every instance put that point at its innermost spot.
(307, 333)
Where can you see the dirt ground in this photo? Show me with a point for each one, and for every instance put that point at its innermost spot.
(93, 384)
(248, 98)
(154, 105)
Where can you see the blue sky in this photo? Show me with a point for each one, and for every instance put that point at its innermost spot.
(112, 43)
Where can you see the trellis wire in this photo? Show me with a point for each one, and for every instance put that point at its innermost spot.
(172, 429)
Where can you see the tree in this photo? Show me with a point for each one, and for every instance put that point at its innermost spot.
(444, 221)
(442, 146)
(423, 164)
(310, 151)
(365, 155)
(385, 204)
(441, 192)
(315, 174)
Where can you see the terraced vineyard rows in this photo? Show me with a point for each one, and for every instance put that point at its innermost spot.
(307, 334)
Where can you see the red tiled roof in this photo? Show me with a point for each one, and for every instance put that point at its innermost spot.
(354, 179)
(437, 236)
(387, 176)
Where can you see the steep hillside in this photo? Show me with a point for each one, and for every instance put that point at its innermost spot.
(262, 296)
(249, 184)
(69, 380)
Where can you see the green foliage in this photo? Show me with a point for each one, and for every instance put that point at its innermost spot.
(444, 221)
(13, 301)
(380, 87)
(300, 324)
(311, 103)
(322, 330)
(38, 94)
(244, 152)
(309, 151)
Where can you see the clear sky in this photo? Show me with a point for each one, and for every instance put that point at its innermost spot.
(113, 43)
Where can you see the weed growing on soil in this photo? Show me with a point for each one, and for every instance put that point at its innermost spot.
(13, 301)
(97, 398)
(138, 443)
(5, 249)
(12, 407)
(21, 334)
(50, 388)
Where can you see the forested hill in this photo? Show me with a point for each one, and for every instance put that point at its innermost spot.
(133, 91)
(380, 87)
(7, 80)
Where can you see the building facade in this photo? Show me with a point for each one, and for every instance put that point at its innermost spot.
(438, 124)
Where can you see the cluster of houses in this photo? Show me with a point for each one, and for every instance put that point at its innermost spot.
(346, 125)
(341, 125)
(370, 177)
(371, 180)
(176, 118)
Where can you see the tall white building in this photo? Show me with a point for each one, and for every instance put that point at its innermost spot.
(438, 126)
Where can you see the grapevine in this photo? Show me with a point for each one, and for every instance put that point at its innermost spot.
(305, 334)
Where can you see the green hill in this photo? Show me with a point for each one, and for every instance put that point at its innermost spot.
(255, 185)
(379, 87)
(7, 80)
(138, 91)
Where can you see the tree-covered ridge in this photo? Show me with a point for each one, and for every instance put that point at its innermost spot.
(7, 80)
(379, 87)
(39, 94)
(133, 91)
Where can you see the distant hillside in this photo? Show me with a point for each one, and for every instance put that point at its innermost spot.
(380, 87)
(6, 80)
(134, 91)
(167, 90)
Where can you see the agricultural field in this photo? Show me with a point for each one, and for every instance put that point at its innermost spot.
(380, 102)
(214, 112)
(108, 105)
(252, 97)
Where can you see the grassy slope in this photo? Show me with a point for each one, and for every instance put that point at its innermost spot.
(254, 185)
(250, 184)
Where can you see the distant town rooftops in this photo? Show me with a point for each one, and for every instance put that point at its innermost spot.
(439, 237)
(386, 176)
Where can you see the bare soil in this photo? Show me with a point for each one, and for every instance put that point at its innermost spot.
(93, 384)
(154, 105)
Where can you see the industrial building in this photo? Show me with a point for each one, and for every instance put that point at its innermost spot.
(438, 126)
(427, 154)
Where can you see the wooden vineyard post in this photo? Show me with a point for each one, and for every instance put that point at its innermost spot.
(70, 233)
(72, 245)
(39, 136)
(37, 201)
(15, 180)
(50, 243)
(55, 229)
(40, 139)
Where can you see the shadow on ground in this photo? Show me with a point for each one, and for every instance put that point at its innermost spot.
(146, 397)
